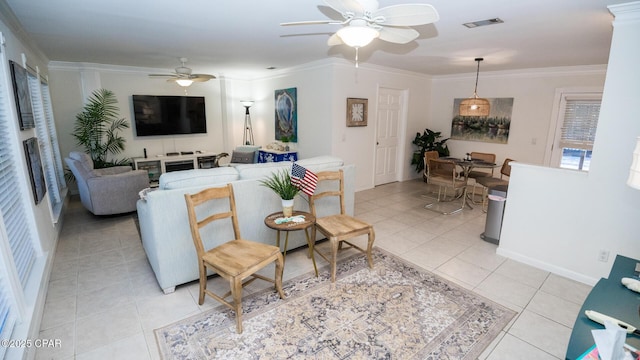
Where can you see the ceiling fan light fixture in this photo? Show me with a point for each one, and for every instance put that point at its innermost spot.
(357, 36)
(184, 82)
(475, 106)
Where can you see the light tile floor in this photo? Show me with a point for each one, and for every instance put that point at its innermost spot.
(103, 300)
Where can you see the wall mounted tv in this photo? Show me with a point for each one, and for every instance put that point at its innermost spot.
(169, 115)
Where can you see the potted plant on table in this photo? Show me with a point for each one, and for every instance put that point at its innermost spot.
(280, 183)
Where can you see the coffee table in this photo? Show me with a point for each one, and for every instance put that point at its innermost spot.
(309, 221)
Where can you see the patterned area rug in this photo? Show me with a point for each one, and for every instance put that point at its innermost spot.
(395, 311)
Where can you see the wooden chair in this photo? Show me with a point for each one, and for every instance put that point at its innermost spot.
(489, 182)
(338, 228)
(428, 155)
(486, 172)
(444, 174)
(234, 260)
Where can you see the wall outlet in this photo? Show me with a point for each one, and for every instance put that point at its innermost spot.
(603, 255)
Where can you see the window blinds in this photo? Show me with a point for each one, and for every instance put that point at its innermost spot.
(11, 205)
(43, 136)
(53, 135)
(580, 124)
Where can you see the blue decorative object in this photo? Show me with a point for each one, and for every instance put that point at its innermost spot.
(270, 156)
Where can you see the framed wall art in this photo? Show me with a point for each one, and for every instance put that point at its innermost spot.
(357, 112)
(19, 77)
(32, 153)
(493, 128)
(286, 116)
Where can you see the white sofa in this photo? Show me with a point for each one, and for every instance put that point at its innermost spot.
(164, 225)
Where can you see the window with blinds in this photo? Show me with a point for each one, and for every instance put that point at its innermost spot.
(580, 124)
(46, 146)
(53, 135)
(577, 116)
(11, 205)
(7, 315)
(17, 243)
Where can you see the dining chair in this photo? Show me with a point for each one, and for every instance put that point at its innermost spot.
(428, 155)
(480, 172)
(234, 260)
(339, 228)
(444, 174)
(490, 182)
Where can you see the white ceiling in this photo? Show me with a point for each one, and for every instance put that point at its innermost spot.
(243, 37)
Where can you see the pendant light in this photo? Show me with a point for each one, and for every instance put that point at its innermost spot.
(475, 106)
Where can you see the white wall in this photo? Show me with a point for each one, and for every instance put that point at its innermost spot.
(533, 91)
(560, 220)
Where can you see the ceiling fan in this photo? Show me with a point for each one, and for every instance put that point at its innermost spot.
(365, 21)
(183, 75)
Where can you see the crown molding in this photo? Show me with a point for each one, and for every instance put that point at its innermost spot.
(582, 70)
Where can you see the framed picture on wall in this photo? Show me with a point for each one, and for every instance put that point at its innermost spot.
(20, 80)
(32, 153)
(357, 112)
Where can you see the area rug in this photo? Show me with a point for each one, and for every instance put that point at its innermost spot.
(395, 311)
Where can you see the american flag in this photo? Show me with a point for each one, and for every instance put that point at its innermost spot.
(303, 179)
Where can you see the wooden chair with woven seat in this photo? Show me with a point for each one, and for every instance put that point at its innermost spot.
(340, 227)
(444, 174)
(486, 172)
(489, 182)
(234, 260)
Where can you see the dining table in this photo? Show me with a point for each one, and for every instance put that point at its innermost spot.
(467, 166)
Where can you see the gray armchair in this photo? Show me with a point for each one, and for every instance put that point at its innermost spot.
(106, 191)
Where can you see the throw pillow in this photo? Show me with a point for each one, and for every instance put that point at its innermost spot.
(242, 157)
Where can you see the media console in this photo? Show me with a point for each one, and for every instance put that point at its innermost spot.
(158, 165)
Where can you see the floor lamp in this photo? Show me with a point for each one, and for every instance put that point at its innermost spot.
(247, 138)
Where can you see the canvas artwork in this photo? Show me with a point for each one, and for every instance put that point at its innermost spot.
(493, 128)
(36, 174)
(286, 115)
(23, 97)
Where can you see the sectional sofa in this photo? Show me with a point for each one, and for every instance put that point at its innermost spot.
(164, 225)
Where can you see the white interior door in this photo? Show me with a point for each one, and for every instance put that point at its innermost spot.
(389, 117)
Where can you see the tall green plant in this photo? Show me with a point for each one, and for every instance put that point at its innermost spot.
(97, 129)
(428, 141)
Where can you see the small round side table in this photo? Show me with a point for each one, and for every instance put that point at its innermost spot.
(309, 221)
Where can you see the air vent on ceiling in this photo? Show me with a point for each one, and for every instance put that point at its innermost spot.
(475, 24)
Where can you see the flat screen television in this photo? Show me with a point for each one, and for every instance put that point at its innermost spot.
(169, 115)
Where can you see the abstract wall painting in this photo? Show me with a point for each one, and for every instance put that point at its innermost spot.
(32, 153)
(20, 82)
(286, 115)
(493, 128)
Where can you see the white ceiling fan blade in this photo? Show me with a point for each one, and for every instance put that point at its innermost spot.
(345, 6)
(398, 35)
(311, 22)
(201, 77)
(407, 15)
(161, 75)
(334, 40)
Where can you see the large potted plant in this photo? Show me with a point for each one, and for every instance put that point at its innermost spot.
(97, 129)
(280, 183)
(428, 141)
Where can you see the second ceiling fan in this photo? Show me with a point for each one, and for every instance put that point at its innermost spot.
(183, 75)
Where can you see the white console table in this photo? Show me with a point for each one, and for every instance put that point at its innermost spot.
(160, 164)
